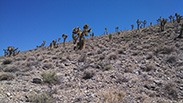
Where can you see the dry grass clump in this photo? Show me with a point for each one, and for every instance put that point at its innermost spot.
(112, 95)
(50, 77)
(40, 98)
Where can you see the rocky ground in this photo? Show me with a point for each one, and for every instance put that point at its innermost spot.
(137, 66)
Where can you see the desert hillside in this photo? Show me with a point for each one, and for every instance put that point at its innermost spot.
(136, 66)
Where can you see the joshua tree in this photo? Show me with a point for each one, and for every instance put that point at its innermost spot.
(132, 26)
(144, 22)
(116, 29)
(110, 37)
(170, 17)
(59, 39)
(80, 35)
(42, 45)
(65, 37)
(54, 43)
(151, 23)
(178, 18)
(106, 31)
(163, 22)
(159, 20)
(138, 23)
(5, 52)
(92, 35)
(50, 45)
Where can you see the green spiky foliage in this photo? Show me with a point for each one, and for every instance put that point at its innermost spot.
(116, 29)
(151, 23)
(144, 22)
(132, 26)
(110, 37)
(65, 37)
(170, 17)
(10, 51)
(138, 23)
(163, 22)
(80, 35)
(106, 31)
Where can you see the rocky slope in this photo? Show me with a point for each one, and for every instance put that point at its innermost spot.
(138, 66)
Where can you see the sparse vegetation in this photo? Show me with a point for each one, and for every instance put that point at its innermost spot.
(163, 22)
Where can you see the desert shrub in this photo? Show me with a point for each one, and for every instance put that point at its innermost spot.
(88, 74)
(40, 98)
(108, 67)
(50, 78)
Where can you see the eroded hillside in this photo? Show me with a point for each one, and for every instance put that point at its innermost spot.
(137, 66)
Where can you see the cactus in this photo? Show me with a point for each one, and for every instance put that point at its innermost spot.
(59, 39)
(116, 29)
(110, 37)
(5, 52)
(54, 43)
(65, 37)
(106, 31)
(170, 17)
(144, 22)
(80, 35)
(138, 23)
(10, 51)
(132, 26)
(151, 23)
(159, 20)
(92, 34)
(178, 18)
(163, 22)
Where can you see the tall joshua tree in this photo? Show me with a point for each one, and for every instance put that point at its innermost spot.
(170, 17)
(163, 22)
(151, 23)
(116, 29)
(80, 35)
(159, 20)
(65, 37)
(138, 24)
(106, 31)
(132, 26)
(144, 22)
